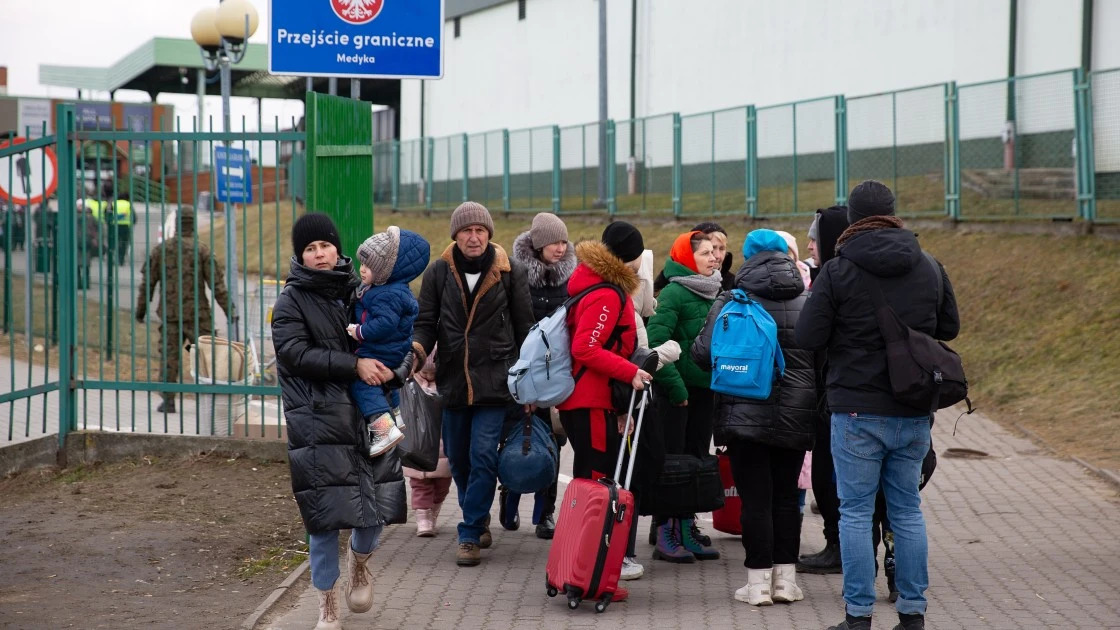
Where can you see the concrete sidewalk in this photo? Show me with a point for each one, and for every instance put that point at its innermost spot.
(1017, 540)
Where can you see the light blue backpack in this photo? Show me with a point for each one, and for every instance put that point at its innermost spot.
(542, 375)
(746, 358)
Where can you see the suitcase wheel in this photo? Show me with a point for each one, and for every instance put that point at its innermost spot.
(601, 605)
(551, 590)
(573, 601)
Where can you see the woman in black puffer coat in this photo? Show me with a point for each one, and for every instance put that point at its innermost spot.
(549, 260)
(767, 439)
(337, 486)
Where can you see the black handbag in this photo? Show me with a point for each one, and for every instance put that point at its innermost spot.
(687, 485)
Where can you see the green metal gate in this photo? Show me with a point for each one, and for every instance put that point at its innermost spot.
(340, 173)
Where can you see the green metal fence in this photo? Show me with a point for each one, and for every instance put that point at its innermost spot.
(996, 150)
(81, 353)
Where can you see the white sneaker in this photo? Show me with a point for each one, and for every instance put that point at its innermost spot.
(631, 570)
(382, 441)
(757, 590)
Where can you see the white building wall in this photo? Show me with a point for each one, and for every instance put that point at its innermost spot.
(712, 54)
(1049, 35)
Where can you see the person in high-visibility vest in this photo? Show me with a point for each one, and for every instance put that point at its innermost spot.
(123, 219)
(95, 208)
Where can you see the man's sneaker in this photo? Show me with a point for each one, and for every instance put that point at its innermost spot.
(826, 562)
(692, 544)
(383, 435)
(669, 546)
(910, 622)
(631, 570)
(486, 539)
(468, 555)
(853, 623)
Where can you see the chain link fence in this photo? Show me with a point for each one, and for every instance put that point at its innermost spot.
(1016, 147)
(1106, 142)
(714, 162)
(531, 160)
(447, 175)
(486, 167)
(899, 139)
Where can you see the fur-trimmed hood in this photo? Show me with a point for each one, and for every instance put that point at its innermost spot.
(597, 264)
(542, 274)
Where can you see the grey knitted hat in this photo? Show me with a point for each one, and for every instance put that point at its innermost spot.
(379, 254)
(547, 229)
(471, 213)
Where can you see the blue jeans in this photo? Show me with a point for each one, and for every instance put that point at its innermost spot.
(324, 552)
(870, 450)
(470, 440)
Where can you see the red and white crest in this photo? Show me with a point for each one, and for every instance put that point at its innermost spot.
(357, 11)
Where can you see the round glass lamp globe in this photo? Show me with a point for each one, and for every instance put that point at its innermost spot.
(204, 29)
(231, 20)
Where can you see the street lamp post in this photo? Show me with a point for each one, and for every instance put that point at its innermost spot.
(222, 34)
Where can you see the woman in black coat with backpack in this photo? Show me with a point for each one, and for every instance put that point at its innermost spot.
(767, 439)
(336, 485)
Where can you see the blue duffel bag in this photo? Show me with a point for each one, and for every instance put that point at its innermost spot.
(528, 458)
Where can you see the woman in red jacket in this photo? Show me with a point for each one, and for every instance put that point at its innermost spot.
(603, 337)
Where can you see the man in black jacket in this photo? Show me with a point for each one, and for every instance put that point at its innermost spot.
(475, 303)
(874, 437)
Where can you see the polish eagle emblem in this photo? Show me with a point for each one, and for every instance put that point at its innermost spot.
(357, 11)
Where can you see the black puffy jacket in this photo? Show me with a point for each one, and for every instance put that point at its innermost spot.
(478, 345)
(787, 418)
(840, 316)
(337, 486)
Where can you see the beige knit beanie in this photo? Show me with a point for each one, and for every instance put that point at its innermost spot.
(379, 254)
(547, 229)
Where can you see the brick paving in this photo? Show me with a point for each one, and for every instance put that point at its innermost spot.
(1020, 539)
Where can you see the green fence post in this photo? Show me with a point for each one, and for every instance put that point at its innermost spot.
(466, 169)
(506, 201)
(751, 163)
(67, 411)
(555, 169)
(1085, 161)
(677, 168)
(395, 174)
(612, 176)
(793, 128)
(429, 187)
(841, 161)
(952, 152)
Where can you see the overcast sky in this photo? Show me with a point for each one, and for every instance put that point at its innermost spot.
(98, 33)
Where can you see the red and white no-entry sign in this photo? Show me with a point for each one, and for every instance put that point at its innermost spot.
(30, 177)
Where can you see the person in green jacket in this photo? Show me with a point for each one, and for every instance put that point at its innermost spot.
(684, 400)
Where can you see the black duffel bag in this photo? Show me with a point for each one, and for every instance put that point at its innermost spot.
(687, 485)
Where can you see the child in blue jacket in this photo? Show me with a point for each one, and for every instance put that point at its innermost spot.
(384, 314)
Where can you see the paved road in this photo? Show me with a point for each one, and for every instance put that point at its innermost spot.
(1017, 540)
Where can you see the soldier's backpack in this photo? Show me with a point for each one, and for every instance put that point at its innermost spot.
(542, 375)
(746, 358)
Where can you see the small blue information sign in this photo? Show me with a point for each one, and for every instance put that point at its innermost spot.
(235, 169)
(391, 39)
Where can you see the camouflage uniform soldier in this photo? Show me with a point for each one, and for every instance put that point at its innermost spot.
(184, 265)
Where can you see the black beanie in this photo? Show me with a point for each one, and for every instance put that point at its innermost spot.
(832, 223)
(314, 227)
(624, 240)
(707, 227)
(870, 199)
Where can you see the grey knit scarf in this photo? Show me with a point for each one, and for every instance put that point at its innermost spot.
(707, 287)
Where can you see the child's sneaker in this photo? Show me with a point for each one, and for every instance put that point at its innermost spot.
(383, 435)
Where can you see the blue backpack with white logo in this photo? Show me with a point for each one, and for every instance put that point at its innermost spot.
(746, 358)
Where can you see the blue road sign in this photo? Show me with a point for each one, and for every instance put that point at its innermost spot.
(235, 175)
(391, 39)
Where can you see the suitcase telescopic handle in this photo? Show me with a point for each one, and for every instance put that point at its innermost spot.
(637, 434)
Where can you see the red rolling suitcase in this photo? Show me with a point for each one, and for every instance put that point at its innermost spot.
(727, 518)
(592, 531)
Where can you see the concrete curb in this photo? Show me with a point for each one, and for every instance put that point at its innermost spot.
(1104, 473)
(270, 601)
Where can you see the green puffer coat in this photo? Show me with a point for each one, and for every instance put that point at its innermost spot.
(680, 317)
